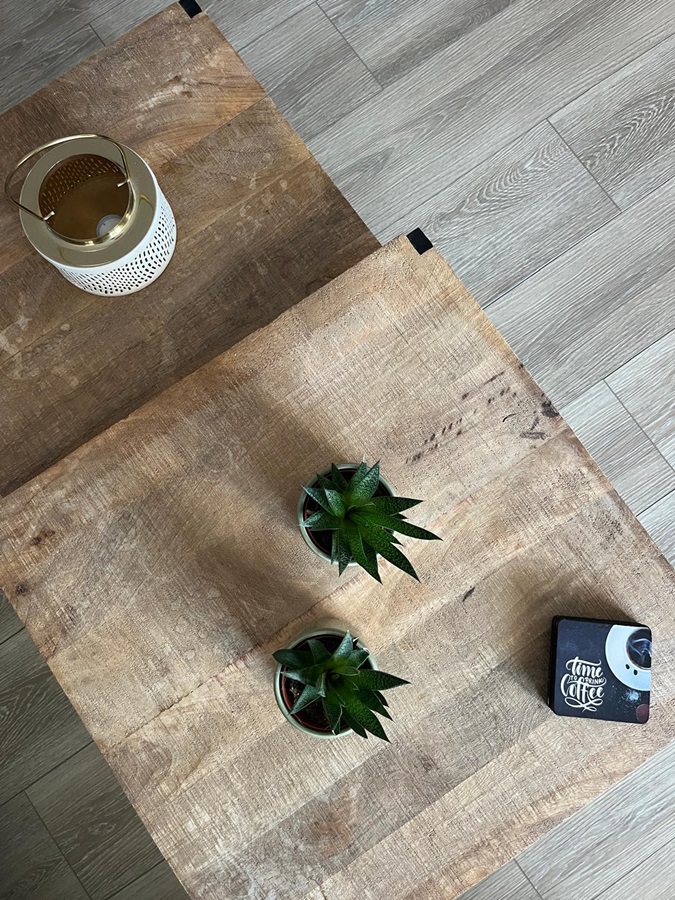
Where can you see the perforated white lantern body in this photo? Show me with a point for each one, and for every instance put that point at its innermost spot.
(93, 208)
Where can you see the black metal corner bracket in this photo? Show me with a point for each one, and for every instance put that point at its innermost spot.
(420, 241)
(191, 7)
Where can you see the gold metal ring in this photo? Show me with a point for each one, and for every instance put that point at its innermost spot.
(47, 146)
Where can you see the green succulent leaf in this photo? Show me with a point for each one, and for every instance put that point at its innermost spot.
(357, 658)
(390, 505)
(362, 487)
(373, 702)
(319, 651)
(394, 523)
(344, 648)
(309, 695)
(333, 711)
(375, 680)
(382, 699)
(319, 496)
(322, 521)
(338, 478)
(371, 556)
(361, 714)
(361, 472)
(343, 554)
(324, 483)
(294, 659)
(367, 561)
(337, 504)
(376, 538)
(354, 723)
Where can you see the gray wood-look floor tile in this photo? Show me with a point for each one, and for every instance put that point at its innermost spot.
(393, 38)
(511, 215)
(90, 818)
(659, 520)
(242, 21)
(509, 883)
(310, 71)
(10, 623)
(646, 387)
(623, 130)
(31, 865)
(585, 314)
(38, 726)
(22, 76)
(622, 450)
(605, 841)
(30, 28)
(158, 884)
(125, 15)
(653, 879)
(470, 100)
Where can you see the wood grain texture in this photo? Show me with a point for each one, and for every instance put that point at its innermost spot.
(646, 387)
(260, 226)
(39, 726)
(93, 824)
(658, 520)
(513, 214)
(158, 884)
(310, 71)
(619, 446)
(23, 75)
(467, 102)
(508, 883)
(608, 839)
(393, 38)
(653, 879)
(10, 623)
(623, 129)
(245, 20)
(125, 15)
(32, 864)
(607, 299)
(185, 715)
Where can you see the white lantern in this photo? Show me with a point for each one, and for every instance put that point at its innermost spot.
(94, 209)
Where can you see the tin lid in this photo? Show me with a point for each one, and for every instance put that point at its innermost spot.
(93, 201)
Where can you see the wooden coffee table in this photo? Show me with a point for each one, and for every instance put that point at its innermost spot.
(158, 566)
(260, 226)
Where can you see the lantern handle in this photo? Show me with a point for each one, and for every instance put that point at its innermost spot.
(10, 177)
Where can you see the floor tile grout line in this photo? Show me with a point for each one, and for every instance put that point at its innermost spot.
(528, 879)
(608, 887)
(629, 413)
(613, 73)
(586, 169)
(60, 849)
(162, 861)
(622, 212)
(27, 787)
(356, 54)
(263, 34)
(473, 168)
(652, 505)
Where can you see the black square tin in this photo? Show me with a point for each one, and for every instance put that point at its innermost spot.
(600, 669)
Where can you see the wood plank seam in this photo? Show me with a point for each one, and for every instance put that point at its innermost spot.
(656, 502)
(603, 189)
(60, 849)
(527, 878)
(579, 243)
(276, 25)
(640, 428)
(335, 28)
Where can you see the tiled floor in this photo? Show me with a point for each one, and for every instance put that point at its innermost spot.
(534, 142)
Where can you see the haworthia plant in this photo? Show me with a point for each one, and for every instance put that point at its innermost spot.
(364, 526)
(350, 694)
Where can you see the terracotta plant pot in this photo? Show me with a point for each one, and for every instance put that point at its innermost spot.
(320, 541)
(309, 720)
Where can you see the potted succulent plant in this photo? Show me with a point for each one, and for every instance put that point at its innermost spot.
(349, 514)
(327, 685)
